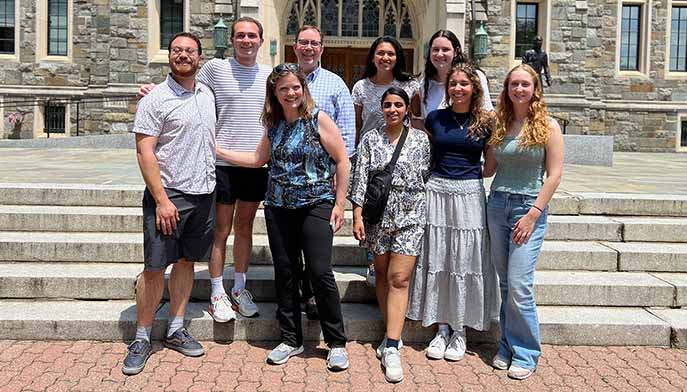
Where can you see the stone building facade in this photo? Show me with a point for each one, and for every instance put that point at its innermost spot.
(113, 46)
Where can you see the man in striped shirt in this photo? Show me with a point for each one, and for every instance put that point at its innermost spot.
(239, 87)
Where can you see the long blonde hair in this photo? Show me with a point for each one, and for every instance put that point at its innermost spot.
(535, 129)
(481, 121)
(272, 112)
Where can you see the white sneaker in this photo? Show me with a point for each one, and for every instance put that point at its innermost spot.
(499, 362)
(380, 349)
(455, 351)
(220, 309)
(437, 347)
(242, 302)
(393, 371)
(519, 373)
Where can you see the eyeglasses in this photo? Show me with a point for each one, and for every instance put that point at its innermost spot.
(178, 49)
(291, 67)
(311, 42)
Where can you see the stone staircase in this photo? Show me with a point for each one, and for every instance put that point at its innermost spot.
(613, 271)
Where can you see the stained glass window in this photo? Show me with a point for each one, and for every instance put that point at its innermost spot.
(6, 26)
(406, 25)
(390, 20)
(349, 18)
(292, 26)
(371, 18)
(309, 14)
(329, 23)
(352, 18)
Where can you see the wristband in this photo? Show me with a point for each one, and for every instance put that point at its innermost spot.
(540, 210)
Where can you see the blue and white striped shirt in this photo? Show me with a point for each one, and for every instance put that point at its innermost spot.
(331, 95)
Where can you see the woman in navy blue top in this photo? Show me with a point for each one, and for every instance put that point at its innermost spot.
(454, 282)
(302, 208)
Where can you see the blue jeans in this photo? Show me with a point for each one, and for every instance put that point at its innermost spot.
(515, 266)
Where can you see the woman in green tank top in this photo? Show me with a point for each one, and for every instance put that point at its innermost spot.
(526, 145)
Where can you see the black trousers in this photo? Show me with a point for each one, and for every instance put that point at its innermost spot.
(306, 230)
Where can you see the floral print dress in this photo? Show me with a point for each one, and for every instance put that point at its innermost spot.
(402, 225)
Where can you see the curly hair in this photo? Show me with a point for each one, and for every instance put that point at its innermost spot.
(535, 129)
(481, 121)
(272, 112)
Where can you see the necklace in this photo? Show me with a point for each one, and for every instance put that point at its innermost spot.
(464, 124)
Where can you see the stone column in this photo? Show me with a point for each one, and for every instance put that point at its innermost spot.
(455, 18)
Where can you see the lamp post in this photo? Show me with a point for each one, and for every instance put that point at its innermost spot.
(480, 43)
(220, 38)
(220, 33)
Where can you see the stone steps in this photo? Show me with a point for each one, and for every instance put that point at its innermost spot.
(116, 281)
(563, 203)
(115, 320)
(128, 248)
(129, 220)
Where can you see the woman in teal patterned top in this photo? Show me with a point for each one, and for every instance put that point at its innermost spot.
(526, 145)
(303, 209)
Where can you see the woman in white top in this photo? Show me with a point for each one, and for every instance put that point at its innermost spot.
(385, 67)
(444, 51)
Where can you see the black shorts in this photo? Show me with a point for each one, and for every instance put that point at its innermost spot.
(240, 183)
(193, 237)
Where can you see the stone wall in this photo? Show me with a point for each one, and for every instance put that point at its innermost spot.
(639, 111)
(109, 58)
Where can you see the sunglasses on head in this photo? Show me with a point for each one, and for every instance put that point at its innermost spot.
(286, 67)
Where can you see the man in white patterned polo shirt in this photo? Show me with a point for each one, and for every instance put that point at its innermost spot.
(175, 147)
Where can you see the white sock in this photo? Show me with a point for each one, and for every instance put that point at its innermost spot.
(239, 281)
(218, 286)
(444, 330)
(174, 324)
(143, 333)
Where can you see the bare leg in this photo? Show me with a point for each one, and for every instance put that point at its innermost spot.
(180, 286)
(243, 233)
(381, 263)
(400, 268)
(149, 288)
(224, 218)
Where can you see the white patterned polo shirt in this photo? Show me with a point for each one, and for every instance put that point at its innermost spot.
(184, 123)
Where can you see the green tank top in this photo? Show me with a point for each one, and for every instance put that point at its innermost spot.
(520, 170)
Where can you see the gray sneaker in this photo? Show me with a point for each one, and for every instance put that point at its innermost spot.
(393, 372)
(337, 359)
(242, 302)
(281, 354)
(382, 346)
(183, 342)
(135, 361)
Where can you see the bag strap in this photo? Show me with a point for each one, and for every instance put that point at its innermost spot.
(397, 151)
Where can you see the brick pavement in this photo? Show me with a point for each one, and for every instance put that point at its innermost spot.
(240, 366)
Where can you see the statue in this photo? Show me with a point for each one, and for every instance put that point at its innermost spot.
(538, 60)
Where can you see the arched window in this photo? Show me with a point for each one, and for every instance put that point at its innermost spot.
(352, 18)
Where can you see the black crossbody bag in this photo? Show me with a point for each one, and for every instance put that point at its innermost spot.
(379, 187)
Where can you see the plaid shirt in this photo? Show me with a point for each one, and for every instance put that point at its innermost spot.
(332, 96)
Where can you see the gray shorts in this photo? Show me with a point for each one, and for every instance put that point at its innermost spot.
(193, 237)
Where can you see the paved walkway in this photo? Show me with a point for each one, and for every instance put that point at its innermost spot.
(240, 366)
(631, 172)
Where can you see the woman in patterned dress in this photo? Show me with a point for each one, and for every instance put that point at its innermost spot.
(303, 210)
(395, 241)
